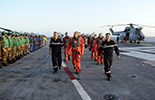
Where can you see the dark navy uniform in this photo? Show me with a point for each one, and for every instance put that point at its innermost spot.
(107, 47)
(55, 45)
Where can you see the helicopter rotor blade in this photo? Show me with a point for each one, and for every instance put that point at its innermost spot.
(119, 25)
(106, 26)
(5, 29)
(146, 26)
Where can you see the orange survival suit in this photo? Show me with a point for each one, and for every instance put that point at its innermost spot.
(66, 41)
(98, 42)
(93, 49)
(76, 53)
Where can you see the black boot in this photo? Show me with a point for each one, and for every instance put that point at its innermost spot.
(60, 67)
(5, 64)
(10, 62)
(55, 70)
(108, 76)
(14, 60)
(77, 72)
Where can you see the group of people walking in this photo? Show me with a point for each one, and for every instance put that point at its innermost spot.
(14, 46)
(101, 50)
(70, 45)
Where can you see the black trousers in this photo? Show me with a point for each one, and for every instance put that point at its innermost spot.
(107, 64)
(56, 59)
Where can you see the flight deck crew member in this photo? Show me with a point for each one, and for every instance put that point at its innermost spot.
(108, 46)
(97, 44)
(83, 44)
(76, 52)
(92, 46)
(55, 47)
(66, 41)
(88, 42)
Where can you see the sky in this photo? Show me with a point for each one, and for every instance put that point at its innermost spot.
(86, 16)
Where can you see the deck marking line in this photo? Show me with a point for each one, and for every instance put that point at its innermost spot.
(77, 85)
(69, 73)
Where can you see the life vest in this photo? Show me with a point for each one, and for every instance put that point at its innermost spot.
(66, 40)
(99, 41)
(92, 42)
(84, 38)
(75, 42)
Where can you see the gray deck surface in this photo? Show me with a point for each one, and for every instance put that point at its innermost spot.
(31, 78)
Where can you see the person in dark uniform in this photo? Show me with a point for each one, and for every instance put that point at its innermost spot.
(55, 48)
(107, 46)
(117, 39)
(88, 42)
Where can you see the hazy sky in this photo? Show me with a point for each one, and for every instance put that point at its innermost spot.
(86, 16)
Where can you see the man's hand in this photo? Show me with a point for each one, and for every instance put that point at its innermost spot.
(118, 56)
(50, 50)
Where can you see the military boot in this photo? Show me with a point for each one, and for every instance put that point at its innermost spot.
(5, 64)
(55, 70)
(108, 76)
(60, 67)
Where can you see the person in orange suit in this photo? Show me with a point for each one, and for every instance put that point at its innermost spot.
(67, 49)
(84, 42)
(81, 41)
(76, 52)
(92, 46)
(98, 42)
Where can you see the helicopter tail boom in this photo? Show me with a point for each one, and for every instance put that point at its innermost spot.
(114, 33)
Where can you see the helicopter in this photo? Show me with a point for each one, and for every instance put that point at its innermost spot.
(130, 33)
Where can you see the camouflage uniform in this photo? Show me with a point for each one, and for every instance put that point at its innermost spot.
(23, 44)
(20, 46)
(14, 47)
(17, 47)
(5, 46)
(27, 43)
(10, 49)
(0, 50)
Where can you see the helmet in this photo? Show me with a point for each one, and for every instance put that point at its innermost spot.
(4, 32)
(9, 33)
